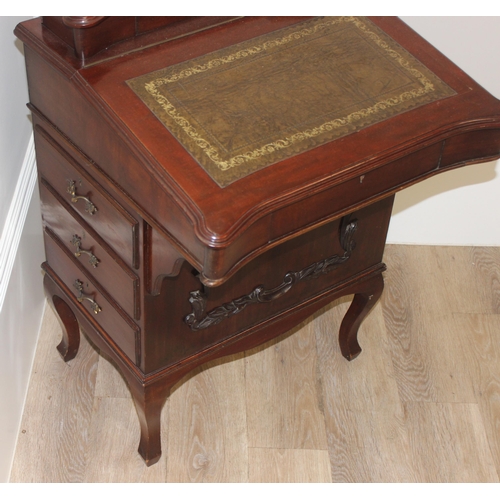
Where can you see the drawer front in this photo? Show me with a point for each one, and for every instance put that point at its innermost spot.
(86, 198)
(91, 251)
(93, 300)
(385, 179)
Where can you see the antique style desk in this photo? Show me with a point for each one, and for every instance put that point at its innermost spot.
(208, 183)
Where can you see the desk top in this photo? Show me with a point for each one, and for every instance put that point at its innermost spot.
(258, 129)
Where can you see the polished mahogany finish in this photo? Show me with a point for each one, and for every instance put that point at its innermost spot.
(91, 35)
(164, 268)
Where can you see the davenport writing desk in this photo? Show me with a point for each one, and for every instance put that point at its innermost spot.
(208, 183)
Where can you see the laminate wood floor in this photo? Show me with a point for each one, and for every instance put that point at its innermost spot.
(420, 404)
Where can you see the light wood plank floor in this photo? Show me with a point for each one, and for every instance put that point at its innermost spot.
(421, 403)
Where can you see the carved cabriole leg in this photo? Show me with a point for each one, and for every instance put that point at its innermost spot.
(68, 347)
(149, 400)
(149, 395)
(361, 305)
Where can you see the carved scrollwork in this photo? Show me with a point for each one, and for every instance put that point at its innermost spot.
(199, 320)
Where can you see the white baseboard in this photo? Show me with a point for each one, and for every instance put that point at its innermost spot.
(11, 234)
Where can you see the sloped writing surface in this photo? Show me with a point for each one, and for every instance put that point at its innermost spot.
(250, 105)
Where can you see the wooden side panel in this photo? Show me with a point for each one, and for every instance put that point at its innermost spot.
(161, 259)
(170, 339)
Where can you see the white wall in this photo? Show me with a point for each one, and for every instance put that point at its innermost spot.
(21, 311)
(15, 127)
(19, 327)
(458, 207)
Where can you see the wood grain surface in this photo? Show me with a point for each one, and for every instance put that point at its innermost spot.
(420, 404)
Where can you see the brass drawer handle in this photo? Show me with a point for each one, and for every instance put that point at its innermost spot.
(95, 306)
(89, 206)
(77, 241)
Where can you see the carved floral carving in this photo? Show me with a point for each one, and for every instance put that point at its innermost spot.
(199, 320)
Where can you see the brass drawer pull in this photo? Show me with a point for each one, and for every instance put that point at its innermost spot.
(95, 306)
(77, 241)
(89, 206)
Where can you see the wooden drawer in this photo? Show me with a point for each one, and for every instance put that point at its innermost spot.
(386, 179)
(123, 331)
(86, 198)
(95, 256)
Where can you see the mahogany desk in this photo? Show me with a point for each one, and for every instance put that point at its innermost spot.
(209, 183)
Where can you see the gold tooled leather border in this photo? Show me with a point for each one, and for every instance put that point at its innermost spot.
(225, 170)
